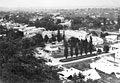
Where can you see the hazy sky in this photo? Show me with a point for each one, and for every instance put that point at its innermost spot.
(59, 3)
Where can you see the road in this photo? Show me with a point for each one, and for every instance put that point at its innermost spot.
(56, 61)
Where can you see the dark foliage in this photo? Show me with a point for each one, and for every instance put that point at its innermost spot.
(53, 38)
(66, 50)
(85, 46)
(46, 38)
(71, 51)
(106, 48)
(90, 45)
(18, 63)
(59, 37)
(81, 46)
(76, 50)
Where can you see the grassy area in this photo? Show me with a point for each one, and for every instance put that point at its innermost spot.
(82, 65)
(7, 77)
(59, 54)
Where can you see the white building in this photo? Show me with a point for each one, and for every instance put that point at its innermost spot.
(51, 49)
(96, 40)
(114, 47)
(107, 64)
(32, 31)
(111, 38)
(89, 74)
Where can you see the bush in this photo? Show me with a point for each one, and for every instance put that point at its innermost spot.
(106, 48)
(99, 51)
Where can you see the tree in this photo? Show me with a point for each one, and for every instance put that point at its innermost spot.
(7, 17)
(13, 34)
(94, 33)
(104, 20)
(71, 51)
(73, 41)
(103, 28)
(53, 38)
(26, 43)
(86, 46)
(90, 45)
(59, 38)
(58, 21)
(37, 23)
(63, 36)
(46, 38)
(39, 39)
(118, 19)
(48, 23)
(81, 46)
(103, 34)
(99, 51)
(106, 48)
(8, 49)
(66, 50)
(3, 30)
(76, 50)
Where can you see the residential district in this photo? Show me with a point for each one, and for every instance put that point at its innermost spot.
(62, 46)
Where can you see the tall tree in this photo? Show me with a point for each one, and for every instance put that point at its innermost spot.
(71, 51)
(53, 38)
(66, 50)
(86, 46)
(59, 38)
(64, 40)
(76, 50)
(81, 46)
(90, 45)
(104, 20)
(118, 19)
(63, 35)
(106, 48)
(46, 38)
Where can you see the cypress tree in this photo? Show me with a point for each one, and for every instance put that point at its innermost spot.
(46, 38)
(59, 39)
(86, 46)
(66, 50)
(71, 51)
(53, 38)
(118, 20)
(90, 45)
(81, 47)
(64, 40)
(76, 50)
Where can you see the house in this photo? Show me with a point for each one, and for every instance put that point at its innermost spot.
(114, 47)
(51, 49)
(32, 31)
(107, 64)
(111, 38)
(68, 72)
(89, 74)
(96, 40)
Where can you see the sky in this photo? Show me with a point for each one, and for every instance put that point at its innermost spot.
(59, 3)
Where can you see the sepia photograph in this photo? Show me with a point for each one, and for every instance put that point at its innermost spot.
(59, 41)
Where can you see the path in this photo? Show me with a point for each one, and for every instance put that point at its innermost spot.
(57, 60)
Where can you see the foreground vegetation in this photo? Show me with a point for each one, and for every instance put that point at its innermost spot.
(17, 61)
